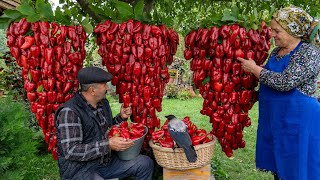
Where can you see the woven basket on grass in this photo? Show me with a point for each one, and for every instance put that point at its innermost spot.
(177, 159)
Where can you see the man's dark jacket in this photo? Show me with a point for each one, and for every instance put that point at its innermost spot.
(92, 132)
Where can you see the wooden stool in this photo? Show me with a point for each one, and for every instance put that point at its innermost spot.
(203, 173)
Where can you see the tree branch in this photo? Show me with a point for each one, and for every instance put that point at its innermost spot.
(85, 7)
(148, 5)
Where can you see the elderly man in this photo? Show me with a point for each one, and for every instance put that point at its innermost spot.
(84, 151)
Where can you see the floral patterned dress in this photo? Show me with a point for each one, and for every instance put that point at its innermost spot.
(288, 135)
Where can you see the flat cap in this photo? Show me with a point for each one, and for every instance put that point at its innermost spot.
(89, 75)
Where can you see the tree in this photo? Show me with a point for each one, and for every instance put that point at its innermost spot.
(183, 15)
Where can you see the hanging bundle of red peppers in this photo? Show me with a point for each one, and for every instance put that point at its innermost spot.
(50, 57)
(138, 55)
(228, 91)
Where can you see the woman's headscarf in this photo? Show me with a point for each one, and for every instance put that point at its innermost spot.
(298, 23)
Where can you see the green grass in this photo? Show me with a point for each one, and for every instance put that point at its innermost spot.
(240, 167)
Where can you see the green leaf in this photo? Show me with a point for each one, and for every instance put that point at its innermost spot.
(62, 17)
(61, 1)
(4, 22)
(40, 88)
(138, 9)
(44, 9)
(87, 26)
(207, 79)
(235, 11)
(25, 8)
(33, 18)
(29, 76)
(124, 9)
(13, 14)
(227, 16)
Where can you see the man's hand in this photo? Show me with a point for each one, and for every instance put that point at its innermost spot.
(120, 143)
(125, 112)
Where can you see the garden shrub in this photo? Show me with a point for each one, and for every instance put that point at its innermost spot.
(171, 91)
(184, 94)
(16, 140)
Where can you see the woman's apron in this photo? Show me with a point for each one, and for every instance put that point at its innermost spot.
(288, 135)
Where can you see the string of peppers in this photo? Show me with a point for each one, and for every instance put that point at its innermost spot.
(228, 91)
(50, 56)
(138, 55)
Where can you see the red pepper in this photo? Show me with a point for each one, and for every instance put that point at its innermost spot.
(153, 43)
(238, 53)
(229, 87)
(126, 100)
(44, 27)
(245, 97)
(157, 135)
(214, 33)
(28, 41)
(224, 31)
(35, 74)
(227, 66)
(137, 69)
(242, 33)
(166, 142)
(196, 140)
(236, 67)
(24, 26)
(67, 87)
(219, 51)
(67, 47)
(31, 96)
(235, 119)
(35, 51)
(236, 79)
(224, 97)
(230, 128)
(243, 117)
(42, 98)
(48, 55)
(247, 81)
(218, 86)
(74, 57)
(124, 133)
(252, 34)
(58, 50)
(235, 28)
(249, 55)
(146, 93)
(114, 132)
(233, 97)
(29, 86)
(15, 52)
(71, 33)
(52, 96)
(246, 44)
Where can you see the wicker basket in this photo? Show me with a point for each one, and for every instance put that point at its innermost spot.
(177, 159)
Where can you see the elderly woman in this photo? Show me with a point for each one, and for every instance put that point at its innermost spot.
(288, 135)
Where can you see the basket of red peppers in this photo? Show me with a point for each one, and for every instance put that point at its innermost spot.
(168, 155)
(133, 131)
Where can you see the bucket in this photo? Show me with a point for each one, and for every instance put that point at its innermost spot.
(134, 150)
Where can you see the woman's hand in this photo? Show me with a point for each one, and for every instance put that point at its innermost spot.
(250, 66)
(120, 143)
(125, 112)
(247, 65)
